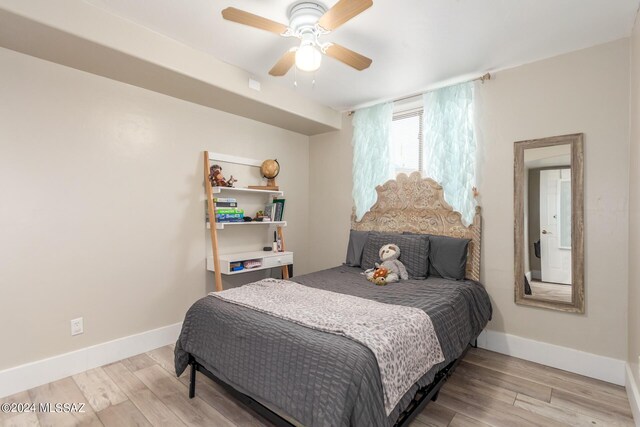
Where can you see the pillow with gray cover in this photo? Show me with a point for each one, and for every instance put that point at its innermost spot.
(414, 252)
(357, 241)
(447, 256)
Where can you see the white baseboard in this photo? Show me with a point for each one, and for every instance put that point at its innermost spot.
(633, 394)
(568, 359)
(29, 375)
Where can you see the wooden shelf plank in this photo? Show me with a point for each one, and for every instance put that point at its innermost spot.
(222, 225)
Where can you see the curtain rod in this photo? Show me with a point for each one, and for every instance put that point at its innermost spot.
(481, 79)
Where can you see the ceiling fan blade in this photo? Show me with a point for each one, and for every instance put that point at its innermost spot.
(284, 64)
(343, 11)
(349, 57)
(246, 18)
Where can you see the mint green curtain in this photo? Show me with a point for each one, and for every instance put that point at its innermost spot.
(450, 145)
(372, 164)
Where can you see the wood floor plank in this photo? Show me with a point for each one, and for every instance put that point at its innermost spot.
(135, 363)
(494, 392)
(564, 415)
(193, 412)
(148, 403)
(124, 378)
(612, 414)
(555, 378)
(488, 410)
(460, 420)
(435, 415)
(99, 389)
(164, 357)
(223, 402)
(18, 398)
(63, 391)
(25, 419)
(506, 381)
(492, 416)
(123, 414)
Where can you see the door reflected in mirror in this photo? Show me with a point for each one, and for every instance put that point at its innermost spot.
(547, 251)
(548, 213)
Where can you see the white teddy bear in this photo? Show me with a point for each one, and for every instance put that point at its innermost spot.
(390, 270)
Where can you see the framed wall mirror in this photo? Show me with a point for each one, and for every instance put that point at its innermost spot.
(548, 205)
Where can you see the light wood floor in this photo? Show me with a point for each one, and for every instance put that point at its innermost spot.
(487, 389)
(551, 291)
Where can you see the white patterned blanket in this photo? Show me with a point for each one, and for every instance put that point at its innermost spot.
(402, 339)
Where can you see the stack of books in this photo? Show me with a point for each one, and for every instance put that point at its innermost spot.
(227, 210)
(275, 211)
(229, 215)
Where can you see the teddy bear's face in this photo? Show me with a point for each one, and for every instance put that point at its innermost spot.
(389, 252)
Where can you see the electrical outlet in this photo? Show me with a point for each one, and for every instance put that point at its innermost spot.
(77, 326)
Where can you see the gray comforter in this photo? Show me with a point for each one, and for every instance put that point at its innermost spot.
(317, 378)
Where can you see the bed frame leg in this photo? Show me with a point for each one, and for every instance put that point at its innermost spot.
(192, 379)
(475, 343)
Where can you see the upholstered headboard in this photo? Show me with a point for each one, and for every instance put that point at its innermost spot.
(415, 204)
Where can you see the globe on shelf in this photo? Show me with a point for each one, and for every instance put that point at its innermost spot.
(270, 169)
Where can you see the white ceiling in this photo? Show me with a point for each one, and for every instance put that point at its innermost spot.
(414, 44)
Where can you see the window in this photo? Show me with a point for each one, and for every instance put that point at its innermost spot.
(406, 141)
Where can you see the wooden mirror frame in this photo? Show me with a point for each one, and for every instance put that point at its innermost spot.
(575, 141)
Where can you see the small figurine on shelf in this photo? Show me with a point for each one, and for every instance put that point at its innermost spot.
(217, 179)
(259, 216)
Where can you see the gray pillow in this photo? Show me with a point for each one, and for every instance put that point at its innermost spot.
(357, 241)
(448, 257)
(414, 252)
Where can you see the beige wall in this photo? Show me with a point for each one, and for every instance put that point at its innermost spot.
(585, 91)
(634, 207)
(101, 211)
(330, 180)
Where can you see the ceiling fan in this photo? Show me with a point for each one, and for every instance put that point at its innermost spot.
(308, 21)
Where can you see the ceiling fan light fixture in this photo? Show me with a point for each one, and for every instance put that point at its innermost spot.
(308, 58)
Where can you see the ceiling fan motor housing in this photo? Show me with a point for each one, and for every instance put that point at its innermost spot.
(303, 15)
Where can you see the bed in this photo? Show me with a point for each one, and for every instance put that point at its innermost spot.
(295, 375)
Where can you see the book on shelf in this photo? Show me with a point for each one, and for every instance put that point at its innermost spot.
(279, 214)
(229, 211)
(236, 266)
(230, 218)
(270, 211)
(225, 200)
(226, 205)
